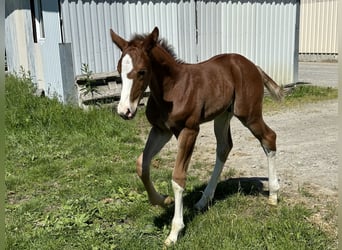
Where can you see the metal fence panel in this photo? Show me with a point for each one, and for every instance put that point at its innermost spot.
(87, 24)
(318, 27)
(263, 31)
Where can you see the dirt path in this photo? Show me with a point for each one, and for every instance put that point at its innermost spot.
(307, 149)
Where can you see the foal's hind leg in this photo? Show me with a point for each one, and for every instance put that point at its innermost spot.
(267, 138)
(224, 145)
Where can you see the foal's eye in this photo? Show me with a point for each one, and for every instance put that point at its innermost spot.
(141, 72)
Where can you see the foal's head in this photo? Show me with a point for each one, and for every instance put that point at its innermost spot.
(135, 69)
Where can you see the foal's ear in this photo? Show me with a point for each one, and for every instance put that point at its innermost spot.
(152, 39)
(155, 34)
(119, 41)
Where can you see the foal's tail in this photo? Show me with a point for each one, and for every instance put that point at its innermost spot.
(276, 91)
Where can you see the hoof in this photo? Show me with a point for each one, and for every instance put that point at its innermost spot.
(273, 200)
(174, 234)
(199, 207)
(168, 243)
(203, 203)
(168, 201)
(162, 201)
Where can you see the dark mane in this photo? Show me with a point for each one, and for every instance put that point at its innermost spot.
(162, 42)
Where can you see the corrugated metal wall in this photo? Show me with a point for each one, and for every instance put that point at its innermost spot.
(318, 27)
(86, 25)
(264, 31)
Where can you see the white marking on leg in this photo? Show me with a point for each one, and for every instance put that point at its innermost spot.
(127, 83)
(209, 191)
(273, 184)
(177, 221)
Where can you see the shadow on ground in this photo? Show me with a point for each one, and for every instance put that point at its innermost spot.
(247, 186)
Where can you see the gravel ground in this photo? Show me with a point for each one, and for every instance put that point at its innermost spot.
(322, 74)
(306, 155)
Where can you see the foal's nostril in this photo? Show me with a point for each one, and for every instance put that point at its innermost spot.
(126, 115)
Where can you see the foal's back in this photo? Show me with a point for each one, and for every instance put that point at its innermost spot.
(212, 86)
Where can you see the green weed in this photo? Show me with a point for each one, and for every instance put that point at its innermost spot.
(301, 95)
(88, 86)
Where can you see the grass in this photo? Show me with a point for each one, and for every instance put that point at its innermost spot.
(301, 95)
(71, 184)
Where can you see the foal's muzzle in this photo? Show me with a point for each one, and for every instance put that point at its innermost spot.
(128, 115)
(127, 109)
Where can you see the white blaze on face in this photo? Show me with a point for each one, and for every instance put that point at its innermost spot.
(126, 107)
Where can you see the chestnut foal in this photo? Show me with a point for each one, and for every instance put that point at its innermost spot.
(182, 96)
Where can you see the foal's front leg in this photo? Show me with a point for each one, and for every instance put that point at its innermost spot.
(186, 142)
(156, 140)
